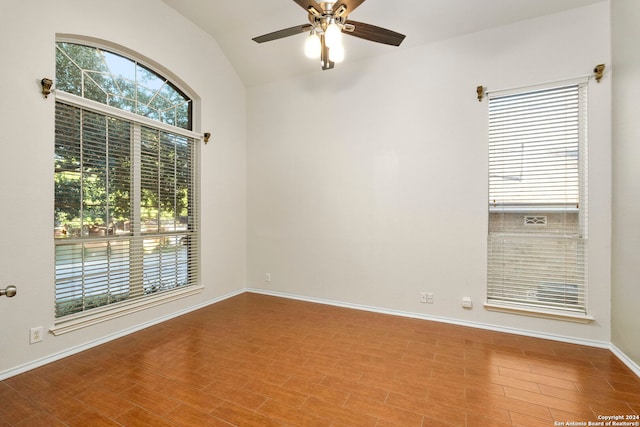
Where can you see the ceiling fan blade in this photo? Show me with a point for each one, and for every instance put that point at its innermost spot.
(282, 33)
(375, 34)
(308, 4)
(351, 5)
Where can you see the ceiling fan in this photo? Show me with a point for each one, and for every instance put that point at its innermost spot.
(328, 20)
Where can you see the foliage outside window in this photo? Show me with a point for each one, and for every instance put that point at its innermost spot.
(114, 80)
(125, 190)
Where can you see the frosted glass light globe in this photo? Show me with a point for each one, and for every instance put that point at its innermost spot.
(312, 46)
(332, 35)
(336, 53)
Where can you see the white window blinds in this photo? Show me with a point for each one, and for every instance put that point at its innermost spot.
(537, 195)
(126, 224)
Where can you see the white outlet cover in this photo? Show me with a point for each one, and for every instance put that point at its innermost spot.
(35, 335)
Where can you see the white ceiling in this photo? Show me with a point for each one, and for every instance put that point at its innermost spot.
(234, 23)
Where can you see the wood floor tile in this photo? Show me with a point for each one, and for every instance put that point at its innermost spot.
(290, 416)
(338, 414)
(43, 420)
(256, 360)
(475, 420)
(188, 416)
(16, 407)
(443, 415)
(140, 417)
(241, 416)
(58, 376)
(27, 383)
(575, 407)
(490, 414)
(524, 420)
(312, 388)
(93, 419)
(192, 397)
(516, 405)
(59, 404)
(340, 384)
(383, 411)
(537, 379)
(105, 402)
(155, 402)
(237, 395)
(278, 393)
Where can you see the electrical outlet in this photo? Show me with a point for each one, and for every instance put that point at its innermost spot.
(267, 277)
(429, 298)
(35, 335)
(423, 297)
(466, 302)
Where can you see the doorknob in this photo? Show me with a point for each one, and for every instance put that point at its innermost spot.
(11, 291)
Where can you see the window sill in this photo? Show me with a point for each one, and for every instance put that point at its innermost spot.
(65, 326)
(538, 312)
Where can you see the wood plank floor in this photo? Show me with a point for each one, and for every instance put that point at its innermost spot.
(255, 360)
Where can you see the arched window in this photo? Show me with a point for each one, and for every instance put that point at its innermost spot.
(126, 226)
(120, 82)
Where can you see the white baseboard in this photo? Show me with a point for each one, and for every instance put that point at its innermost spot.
(533, 334)
(625, 359)
(77, 349)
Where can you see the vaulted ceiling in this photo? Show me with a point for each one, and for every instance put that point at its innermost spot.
(234, 23)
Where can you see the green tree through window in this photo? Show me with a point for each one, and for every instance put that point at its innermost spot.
(113, 80)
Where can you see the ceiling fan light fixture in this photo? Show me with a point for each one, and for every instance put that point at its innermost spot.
(327, 21)
(333, 35)
(312, 46)
(336, 53)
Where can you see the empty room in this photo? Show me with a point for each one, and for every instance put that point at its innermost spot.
(287, 213)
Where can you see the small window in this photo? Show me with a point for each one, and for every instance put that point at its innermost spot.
(126, 184)
(537, 172)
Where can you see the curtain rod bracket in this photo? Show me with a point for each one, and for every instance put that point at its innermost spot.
(207, 135)
(46, 86)
(599, 72)
(481, 91)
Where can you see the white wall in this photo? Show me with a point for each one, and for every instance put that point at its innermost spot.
(28, 32)
(368, 184)
(626, 177)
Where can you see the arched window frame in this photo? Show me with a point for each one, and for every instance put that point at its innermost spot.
(116, 77)
(143, 133)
